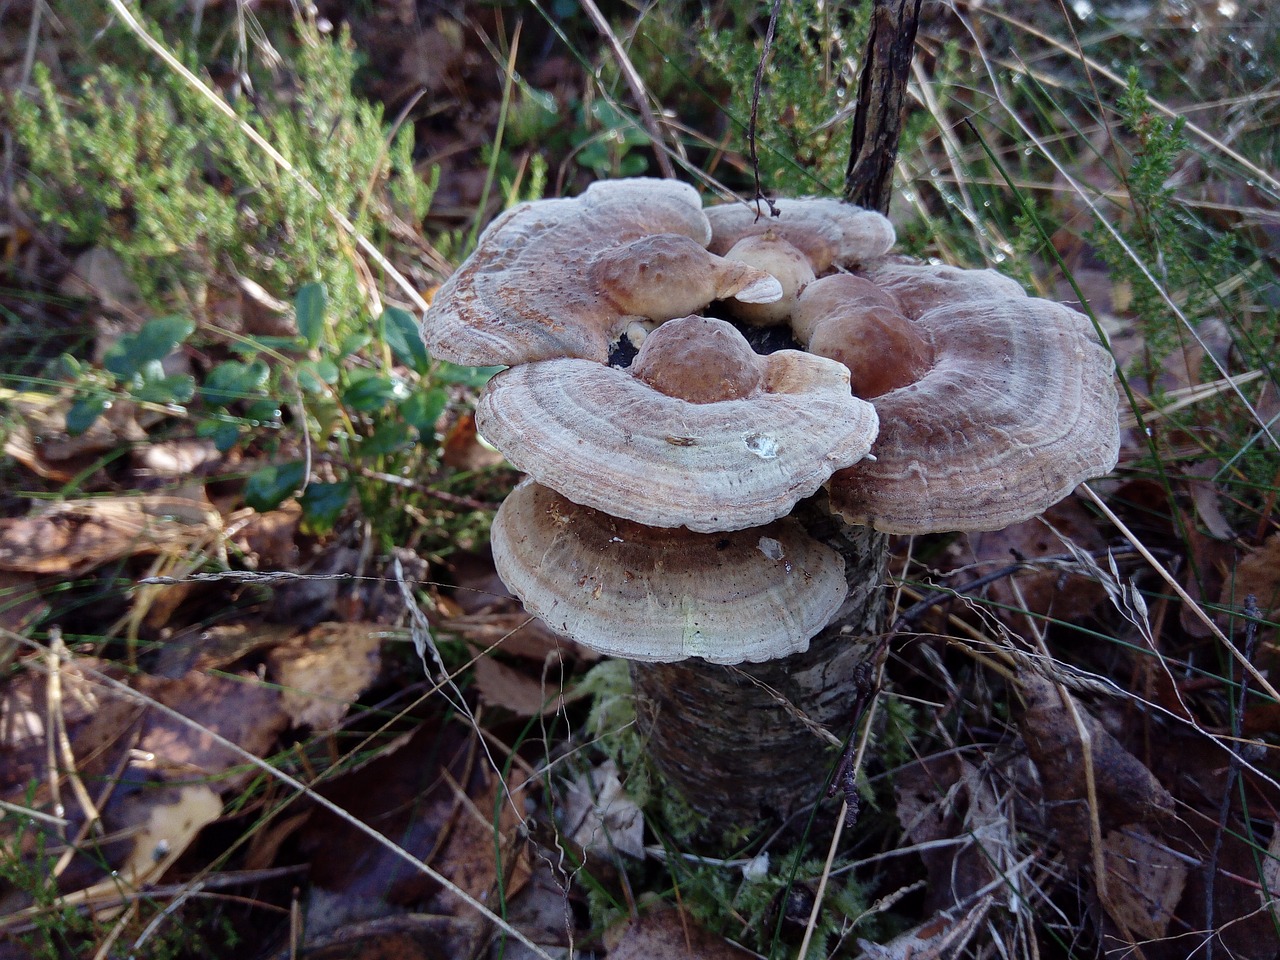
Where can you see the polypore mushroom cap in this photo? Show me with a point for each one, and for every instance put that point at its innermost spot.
(565, 277)
(760, 434)
(824, 229)
(769, 252)
(849, 319)
(922, 286)
(632, 591)
(1018, 408)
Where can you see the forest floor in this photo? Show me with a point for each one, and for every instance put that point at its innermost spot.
(263, 694)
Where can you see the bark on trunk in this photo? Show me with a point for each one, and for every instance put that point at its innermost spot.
(722, 737)
(882, 98)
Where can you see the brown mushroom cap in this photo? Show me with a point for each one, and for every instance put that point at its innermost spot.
(565, 277)
(827, 231)
(767, 432)
(850, 319)
(665, 594)
(769, 252)
(922, 286)
(1018, 408)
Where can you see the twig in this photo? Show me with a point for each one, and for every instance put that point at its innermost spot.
(755, 110)
(636, 84)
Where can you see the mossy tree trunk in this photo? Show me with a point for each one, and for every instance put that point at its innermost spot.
(752, 744)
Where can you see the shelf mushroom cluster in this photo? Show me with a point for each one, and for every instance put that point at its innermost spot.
(654, 521)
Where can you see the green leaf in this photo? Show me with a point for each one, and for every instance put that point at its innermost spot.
(263, 411)
(232, 380)
(388, 438)
(322, 504)
(314, 375)
(223, 433)
(351, 343)
(467, 376)
(84, 413)
(423, 409)
(401, 332)
(269, 487)
(367, 391)
(176, 389)
(309, 307)
(156, 340)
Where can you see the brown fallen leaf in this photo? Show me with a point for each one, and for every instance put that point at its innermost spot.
(239, 708)
(1256, 575)
(76, 536)
(463, 449)
(945, 798)
(665, 934)
(96, 722)
(20, 602)
(40, 442)
(1145, 881)
(1125, 791)
(600, 817)
(323, 671)
(1044, 590)
(939, 938)
(268, 541)
(526, 696)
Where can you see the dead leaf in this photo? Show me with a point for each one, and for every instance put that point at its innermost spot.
(40, 441)
(464, 450)
(1125, 791)
(268, 541)
(412, 937)
(666, 934)
(600, 817)
(1045, 590)
(173, 817)
(95, 720)
(945, 798)
(1207, 498)
(1271, 873)
(323, 671)
(76, 536)
(502, 686)
(99, 274)
(218, 646)
(241, 709)
(181, 459)
(939, 938)
(20, 602)
(1258, 574)
(1145, 881)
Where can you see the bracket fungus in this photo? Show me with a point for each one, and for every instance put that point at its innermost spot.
(655, 525)
(566, 277)
(664, 594)
(699, 432)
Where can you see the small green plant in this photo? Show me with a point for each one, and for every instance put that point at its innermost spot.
(809, 80)
(27, 871)
(148, 168)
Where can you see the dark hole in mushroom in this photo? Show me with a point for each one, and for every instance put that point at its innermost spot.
(723, 543)
(622, 352)
(763, 339)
